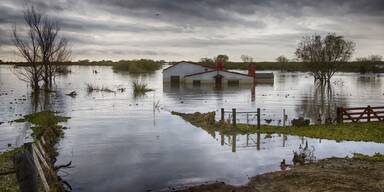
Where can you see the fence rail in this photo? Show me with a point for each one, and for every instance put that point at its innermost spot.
(234, 112)
(359, 114)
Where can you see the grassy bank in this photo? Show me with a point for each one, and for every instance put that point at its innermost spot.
(46, 126)
(373, 131)
(8, 180)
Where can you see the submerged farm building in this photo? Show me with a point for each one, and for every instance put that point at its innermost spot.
(196, 74)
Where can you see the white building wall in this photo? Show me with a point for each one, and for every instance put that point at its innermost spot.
(209, 77)
(182, 69)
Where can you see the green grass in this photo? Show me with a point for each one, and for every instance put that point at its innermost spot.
(44, 120)
(375, 157)
(373, 131)
(46, 124)
(8, 182)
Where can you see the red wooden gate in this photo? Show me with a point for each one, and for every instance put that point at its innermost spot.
(360, 114)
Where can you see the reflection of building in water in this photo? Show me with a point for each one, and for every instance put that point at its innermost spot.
(190, 90)
(197, 74)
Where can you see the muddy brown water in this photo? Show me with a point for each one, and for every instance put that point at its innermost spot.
(117, 142)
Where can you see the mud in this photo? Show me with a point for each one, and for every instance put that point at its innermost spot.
(334, 174)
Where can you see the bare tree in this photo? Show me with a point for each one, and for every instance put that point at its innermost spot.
(324, 55)
(282, 59)
(246, 58)
(49, 48)
(29, 49)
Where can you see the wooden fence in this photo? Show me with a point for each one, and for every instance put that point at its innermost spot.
(360, 114)
(233, 113)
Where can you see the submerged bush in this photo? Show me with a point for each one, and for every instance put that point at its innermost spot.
(140, 88)
(137, 66)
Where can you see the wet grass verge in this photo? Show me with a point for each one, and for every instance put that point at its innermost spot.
(47, 131)
(373, 131)
(8, 180)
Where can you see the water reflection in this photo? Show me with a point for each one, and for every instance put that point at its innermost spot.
(208, 90)
(126, 140)
(321, 106)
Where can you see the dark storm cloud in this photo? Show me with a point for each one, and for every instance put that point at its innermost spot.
(198, 23)
(217, 10)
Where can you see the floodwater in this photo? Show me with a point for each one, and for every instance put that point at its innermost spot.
(117, 142)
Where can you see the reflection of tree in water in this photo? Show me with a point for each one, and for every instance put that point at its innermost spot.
(41, 101)
(369, 81)
(321, 106)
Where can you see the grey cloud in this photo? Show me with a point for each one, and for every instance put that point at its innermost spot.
(198, 23)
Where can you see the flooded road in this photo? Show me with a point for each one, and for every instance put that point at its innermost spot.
(118, 142)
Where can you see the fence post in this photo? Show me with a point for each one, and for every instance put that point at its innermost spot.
(339, 116)
(222, 115)
(258, 118)
(234, 116)
(369, 113)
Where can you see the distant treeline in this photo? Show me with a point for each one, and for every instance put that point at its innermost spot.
(353, 66)
(132, 66)
(147, 65)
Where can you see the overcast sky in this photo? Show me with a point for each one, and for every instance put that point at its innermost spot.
(192, 29)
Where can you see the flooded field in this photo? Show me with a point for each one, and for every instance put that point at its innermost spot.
(117, 141)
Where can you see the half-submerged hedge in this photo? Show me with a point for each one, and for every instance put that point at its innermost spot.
(137, 66)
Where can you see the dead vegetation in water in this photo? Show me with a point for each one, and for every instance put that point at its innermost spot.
(94, 88)
(305, 154)
(140, 89)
